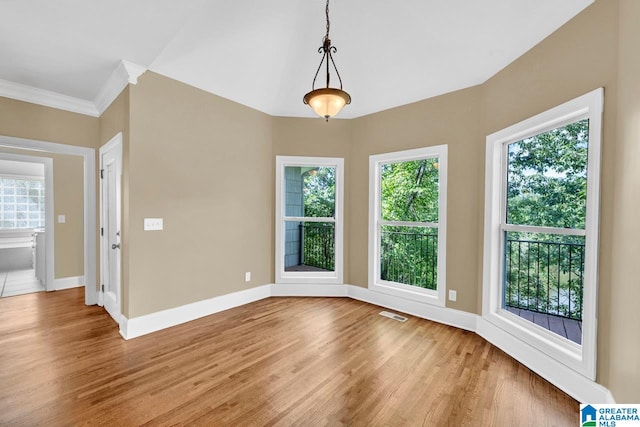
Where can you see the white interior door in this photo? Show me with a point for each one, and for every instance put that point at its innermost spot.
(110, 173)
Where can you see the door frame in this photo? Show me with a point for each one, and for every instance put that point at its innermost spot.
(89, 181)
(113, 143)
(49, 236)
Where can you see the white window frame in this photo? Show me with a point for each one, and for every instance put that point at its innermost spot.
(581, 358)
(429, 296)
(309, 277)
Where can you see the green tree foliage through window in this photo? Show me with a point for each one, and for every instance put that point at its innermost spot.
(409, 193)
(319, 192)
(547, 178)
(547, 187)
(319, 196)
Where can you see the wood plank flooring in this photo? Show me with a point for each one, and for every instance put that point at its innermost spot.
(275, 362)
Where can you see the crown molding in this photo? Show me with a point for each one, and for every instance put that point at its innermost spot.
(125, 73)
(47, 98)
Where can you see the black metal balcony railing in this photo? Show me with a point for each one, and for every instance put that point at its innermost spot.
(409, 258)
(545, 277)
(318, 245)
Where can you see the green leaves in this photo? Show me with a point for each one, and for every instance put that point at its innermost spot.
(319, 192)
(547, 178)
(409, 191)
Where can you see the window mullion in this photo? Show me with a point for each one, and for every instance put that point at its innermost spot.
(544, 230)
(309, 219)
(409, 224)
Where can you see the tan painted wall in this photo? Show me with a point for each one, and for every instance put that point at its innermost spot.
(205, 165)
(315, 138)
(24, 120)
(114, 120)
(624, 316)
(579, 57)
(68, 190)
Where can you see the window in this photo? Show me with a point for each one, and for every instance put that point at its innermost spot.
(309, 220)
(541, 230)
(407, 224)
(21, 203)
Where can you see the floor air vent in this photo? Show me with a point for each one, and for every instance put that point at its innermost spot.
(393, 316)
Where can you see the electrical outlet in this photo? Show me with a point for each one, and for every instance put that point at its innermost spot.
(452, 295)
(62, 219)
(153, 224)
(247, 276)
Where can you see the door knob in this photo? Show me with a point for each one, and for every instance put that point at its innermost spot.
(115, 246)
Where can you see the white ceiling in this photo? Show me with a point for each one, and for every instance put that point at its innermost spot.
(264, 54)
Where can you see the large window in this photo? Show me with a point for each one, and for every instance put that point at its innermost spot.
(21, 203)
(309, 220)
(541, 230)
(407, 223)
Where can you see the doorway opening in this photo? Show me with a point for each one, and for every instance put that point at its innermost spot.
(26, 219)
(88, 278)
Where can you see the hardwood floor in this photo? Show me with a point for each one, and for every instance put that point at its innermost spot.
(279, 361)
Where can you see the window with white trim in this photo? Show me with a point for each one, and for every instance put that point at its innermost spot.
(309, 230)
(407, 224)
(541, 230)
(21, 203)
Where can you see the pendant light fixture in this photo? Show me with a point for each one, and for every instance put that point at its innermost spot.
(327, 101)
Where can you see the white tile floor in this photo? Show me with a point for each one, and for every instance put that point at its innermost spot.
(19, 282)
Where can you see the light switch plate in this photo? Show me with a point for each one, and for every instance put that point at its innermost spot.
(153, 224)
(62, 219)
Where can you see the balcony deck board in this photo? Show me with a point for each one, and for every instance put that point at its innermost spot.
(541, 320)
(557, 325)
(574, 330)
(302, 267)
(567, 328)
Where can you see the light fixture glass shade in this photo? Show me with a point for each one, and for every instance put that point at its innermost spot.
(327, 102)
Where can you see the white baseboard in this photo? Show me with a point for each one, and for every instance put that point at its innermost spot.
(566, 379)
(308, 290)
(68, 283)
(577, 386)
(138, 326)
(448, 316)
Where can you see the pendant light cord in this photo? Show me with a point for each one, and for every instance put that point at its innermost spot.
(328, 22)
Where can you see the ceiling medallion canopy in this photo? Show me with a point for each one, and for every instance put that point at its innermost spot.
(327, 101)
